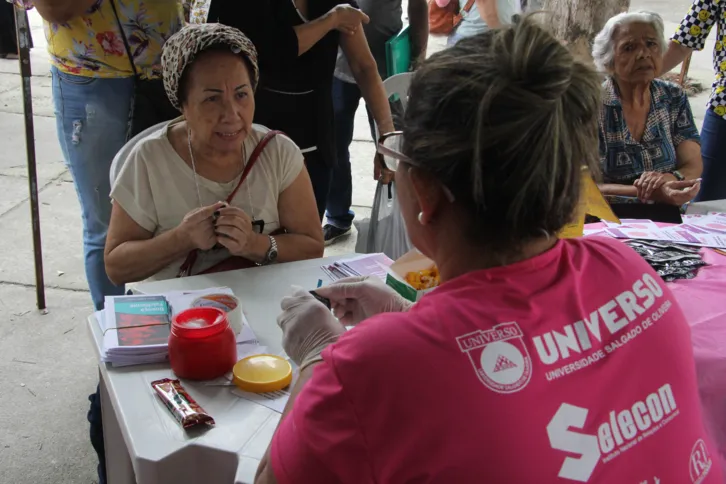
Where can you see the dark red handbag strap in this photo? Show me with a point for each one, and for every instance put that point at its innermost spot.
(186, 267)
(253, 159)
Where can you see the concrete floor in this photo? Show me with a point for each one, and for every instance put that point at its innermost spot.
(46, 364)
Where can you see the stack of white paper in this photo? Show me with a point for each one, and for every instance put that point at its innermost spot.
(136, 328)
(362, 265)
(697, 230)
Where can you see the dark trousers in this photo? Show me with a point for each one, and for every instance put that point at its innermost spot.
(8, 41)
(319, 172)
(346, 98)
(94, 418)
(713, 152)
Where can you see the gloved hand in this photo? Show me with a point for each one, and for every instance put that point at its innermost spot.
(354, 299)
(307, 327)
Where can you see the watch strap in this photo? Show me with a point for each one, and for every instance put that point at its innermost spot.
(273, 248)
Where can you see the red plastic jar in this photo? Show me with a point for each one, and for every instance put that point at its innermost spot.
(202, 345)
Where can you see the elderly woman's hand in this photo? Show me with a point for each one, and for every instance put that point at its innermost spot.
(677, 192)
(354, 299)
(649, 182)
(307, 327)
(348, 19)
(234, 230)
(197, 227)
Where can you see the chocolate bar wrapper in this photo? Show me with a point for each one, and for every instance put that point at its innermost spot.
(186, 411)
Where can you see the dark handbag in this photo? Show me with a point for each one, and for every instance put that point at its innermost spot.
(444, 20)
(233, 262)
(150, 105)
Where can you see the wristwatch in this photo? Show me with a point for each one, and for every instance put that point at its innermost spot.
(271, 255)
(678, 175)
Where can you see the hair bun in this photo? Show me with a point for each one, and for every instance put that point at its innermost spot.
(535, 60)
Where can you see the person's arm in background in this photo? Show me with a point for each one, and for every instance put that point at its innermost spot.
(365, 71)
(488, 12)
(692, 32)
(277, 43)
(61, 11)
(613, 189)
(418, 20)
(690, 163)
(675, 54)
(686, 139)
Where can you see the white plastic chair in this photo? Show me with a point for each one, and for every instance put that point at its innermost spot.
(120, 159)
(399, 85)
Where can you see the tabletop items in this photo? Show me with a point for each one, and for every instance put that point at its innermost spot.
(671, 250)
(697, 230)
(184, 408)
(136, 328)
(362, 265)
(202, 344)
(671, 261)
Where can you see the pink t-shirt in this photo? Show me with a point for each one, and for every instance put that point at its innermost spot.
(574, 366)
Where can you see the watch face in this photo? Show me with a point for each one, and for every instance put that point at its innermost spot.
(273, 255)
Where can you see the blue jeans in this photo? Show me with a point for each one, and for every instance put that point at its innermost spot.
(346, 97)
(713, 146)
(92, 119)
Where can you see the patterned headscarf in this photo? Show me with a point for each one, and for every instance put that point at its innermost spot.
(182, 48)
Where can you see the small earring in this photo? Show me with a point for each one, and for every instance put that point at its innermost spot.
(420, 218)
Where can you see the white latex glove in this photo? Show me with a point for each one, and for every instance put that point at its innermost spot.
(354, 299)
(307, 327)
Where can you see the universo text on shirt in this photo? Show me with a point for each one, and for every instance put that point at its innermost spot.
(624, 317)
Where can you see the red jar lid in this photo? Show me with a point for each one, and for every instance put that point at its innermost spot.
(199, 322)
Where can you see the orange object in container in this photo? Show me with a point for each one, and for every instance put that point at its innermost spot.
(202, 345)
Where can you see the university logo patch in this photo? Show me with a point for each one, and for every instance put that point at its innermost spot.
(499, 357)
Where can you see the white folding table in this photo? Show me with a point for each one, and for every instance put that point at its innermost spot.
(705, 207)
(146, 445)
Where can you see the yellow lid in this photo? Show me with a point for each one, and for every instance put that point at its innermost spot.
(262, 373)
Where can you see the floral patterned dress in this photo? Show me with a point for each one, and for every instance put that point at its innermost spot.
(91, 45)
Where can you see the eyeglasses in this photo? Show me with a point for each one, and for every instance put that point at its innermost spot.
(390, 146)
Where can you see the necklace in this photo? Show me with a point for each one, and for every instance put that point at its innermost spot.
(239, 173)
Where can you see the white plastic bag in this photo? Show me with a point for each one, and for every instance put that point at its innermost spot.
(385, 231)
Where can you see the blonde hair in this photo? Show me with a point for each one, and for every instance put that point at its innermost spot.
(506, 119)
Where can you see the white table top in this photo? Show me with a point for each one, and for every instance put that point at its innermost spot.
(705, 207)
(160, 450)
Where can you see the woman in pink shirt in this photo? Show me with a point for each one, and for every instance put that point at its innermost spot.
(537, 359)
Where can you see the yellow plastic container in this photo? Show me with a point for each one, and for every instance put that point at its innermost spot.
(262, 373)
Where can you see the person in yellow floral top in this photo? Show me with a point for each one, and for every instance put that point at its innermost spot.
(93, 94)
(691, 35)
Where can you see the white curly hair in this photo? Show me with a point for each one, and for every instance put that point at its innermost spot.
(603, 48)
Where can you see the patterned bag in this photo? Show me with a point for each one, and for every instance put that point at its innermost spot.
(443, 20)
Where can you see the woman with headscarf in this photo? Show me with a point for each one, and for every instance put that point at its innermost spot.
(295, 92)
(536, 359)
(210, 185)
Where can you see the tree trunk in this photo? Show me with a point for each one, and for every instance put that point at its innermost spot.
(577, 22)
